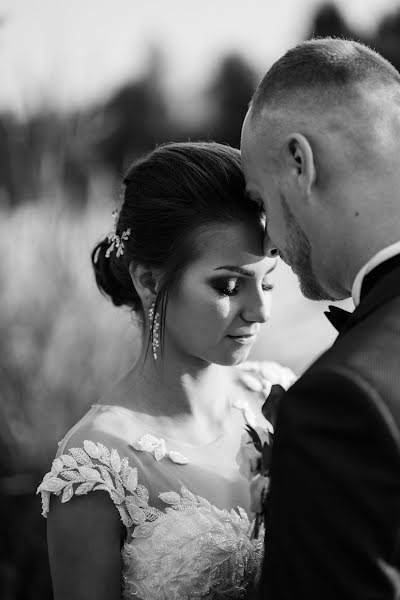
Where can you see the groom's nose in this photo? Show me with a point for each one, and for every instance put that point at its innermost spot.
(269, 247)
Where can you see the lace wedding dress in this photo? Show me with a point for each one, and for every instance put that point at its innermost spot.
(185, 508)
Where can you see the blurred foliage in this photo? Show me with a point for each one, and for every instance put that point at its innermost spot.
(60, 344)
(60, 341)
(56, 155)
(134, 120)
(328, 21)
(230, 96)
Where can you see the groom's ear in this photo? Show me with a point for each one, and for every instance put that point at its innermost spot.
(299, 162)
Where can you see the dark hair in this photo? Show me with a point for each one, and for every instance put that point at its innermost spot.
(323, 64)
(169, 194)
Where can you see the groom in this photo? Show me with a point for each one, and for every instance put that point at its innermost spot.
(321, 152)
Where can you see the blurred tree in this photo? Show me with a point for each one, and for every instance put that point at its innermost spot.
(328, 21)
(47, 156)
(8, 188)
(229, 95)
(78, 158)
(387, 38)
(134, 119)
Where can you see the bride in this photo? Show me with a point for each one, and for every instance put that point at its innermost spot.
(171, 519)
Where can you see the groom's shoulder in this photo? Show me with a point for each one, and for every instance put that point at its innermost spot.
(366, 356)
(371, 346)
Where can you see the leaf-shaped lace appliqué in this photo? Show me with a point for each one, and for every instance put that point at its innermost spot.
(157, 447)
(76, 474)
(190, 551)
(187, 500)
(195, 551)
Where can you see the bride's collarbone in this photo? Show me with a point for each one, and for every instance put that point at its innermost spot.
(135, 409)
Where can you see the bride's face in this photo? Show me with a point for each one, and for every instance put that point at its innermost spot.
(223, 297)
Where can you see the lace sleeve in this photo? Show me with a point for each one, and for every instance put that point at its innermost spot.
(94, 467)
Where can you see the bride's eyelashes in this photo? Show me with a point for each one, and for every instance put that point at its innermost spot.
(231, 286)
(226, 287)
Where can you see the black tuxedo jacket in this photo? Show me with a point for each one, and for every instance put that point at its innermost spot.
(333, 518)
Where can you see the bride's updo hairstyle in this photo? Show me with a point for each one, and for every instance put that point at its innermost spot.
(174, 191)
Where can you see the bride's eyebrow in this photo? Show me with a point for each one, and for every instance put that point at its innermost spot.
(239, 270)
(242, 271)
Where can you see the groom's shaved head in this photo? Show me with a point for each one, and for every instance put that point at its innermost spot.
(338, 93)
(339, 86)
(323, 66)
(322, 140)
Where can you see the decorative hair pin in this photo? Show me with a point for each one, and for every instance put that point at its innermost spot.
(114, 239)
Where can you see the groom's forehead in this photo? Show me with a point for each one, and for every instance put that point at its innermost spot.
(257, 151)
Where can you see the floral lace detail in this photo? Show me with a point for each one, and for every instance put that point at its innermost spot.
(111, 474)
(157, 447)
(195, 551)
(191, 550)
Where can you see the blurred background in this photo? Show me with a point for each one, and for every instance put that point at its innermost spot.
(85, 87)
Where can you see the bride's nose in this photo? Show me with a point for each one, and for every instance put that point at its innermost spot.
(258, 308)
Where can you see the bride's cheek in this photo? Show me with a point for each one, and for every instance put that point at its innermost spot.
(223, 308)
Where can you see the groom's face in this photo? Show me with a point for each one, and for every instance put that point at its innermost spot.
(284, 235)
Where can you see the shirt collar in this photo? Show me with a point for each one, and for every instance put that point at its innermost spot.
(373, 262)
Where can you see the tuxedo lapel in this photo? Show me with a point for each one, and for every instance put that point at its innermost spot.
(382, 289)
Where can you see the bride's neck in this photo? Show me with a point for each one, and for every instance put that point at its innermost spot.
(199, 390)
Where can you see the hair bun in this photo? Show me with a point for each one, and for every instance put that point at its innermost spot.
(113, 280)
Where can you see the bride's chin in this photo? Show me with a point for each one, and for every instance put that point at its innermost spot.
(235, 358)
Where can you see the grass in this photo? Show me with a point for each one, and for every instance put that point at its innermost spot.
(60, 339)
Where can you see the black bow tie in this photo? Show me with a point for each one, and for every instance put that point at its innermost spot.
(337, 317)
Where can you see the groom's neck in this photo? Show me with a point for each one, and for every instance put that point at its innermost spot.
(363, 249)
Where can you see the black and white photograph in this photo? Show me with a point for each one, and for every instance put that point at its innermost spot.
(200, 300)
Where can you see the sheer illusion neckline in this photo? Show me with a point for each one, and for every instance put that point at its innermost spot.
(157, 433)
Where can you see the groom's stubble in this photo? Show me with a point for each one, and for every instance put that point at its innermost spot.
(298, 255)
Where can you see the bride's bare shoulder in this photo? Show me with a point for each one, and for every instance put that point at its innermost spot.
(110, 423)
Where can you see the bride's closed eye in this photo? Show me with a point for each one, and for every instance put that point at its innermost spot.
(231, 286)
(226, 287)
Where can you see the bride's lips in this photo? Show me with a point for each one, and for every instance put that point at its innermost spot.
(243, 339)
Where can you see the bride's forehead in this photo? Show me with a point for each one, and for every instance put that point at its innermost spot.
(231, 240)
(223, 249)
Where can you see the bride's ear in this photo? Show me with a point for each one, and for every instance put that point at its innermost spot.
(146, 281)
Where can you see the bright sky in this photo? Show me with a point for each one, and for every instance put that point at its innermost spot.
(73, 51)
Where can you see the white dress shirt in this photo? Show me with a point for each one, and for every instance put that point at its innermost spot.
(373, 262)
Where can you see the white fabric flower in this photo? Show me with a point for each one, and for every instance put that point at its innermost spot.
(261, 376)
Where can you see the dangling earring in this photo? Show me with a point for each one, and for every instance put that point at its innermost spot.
(154, 319)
